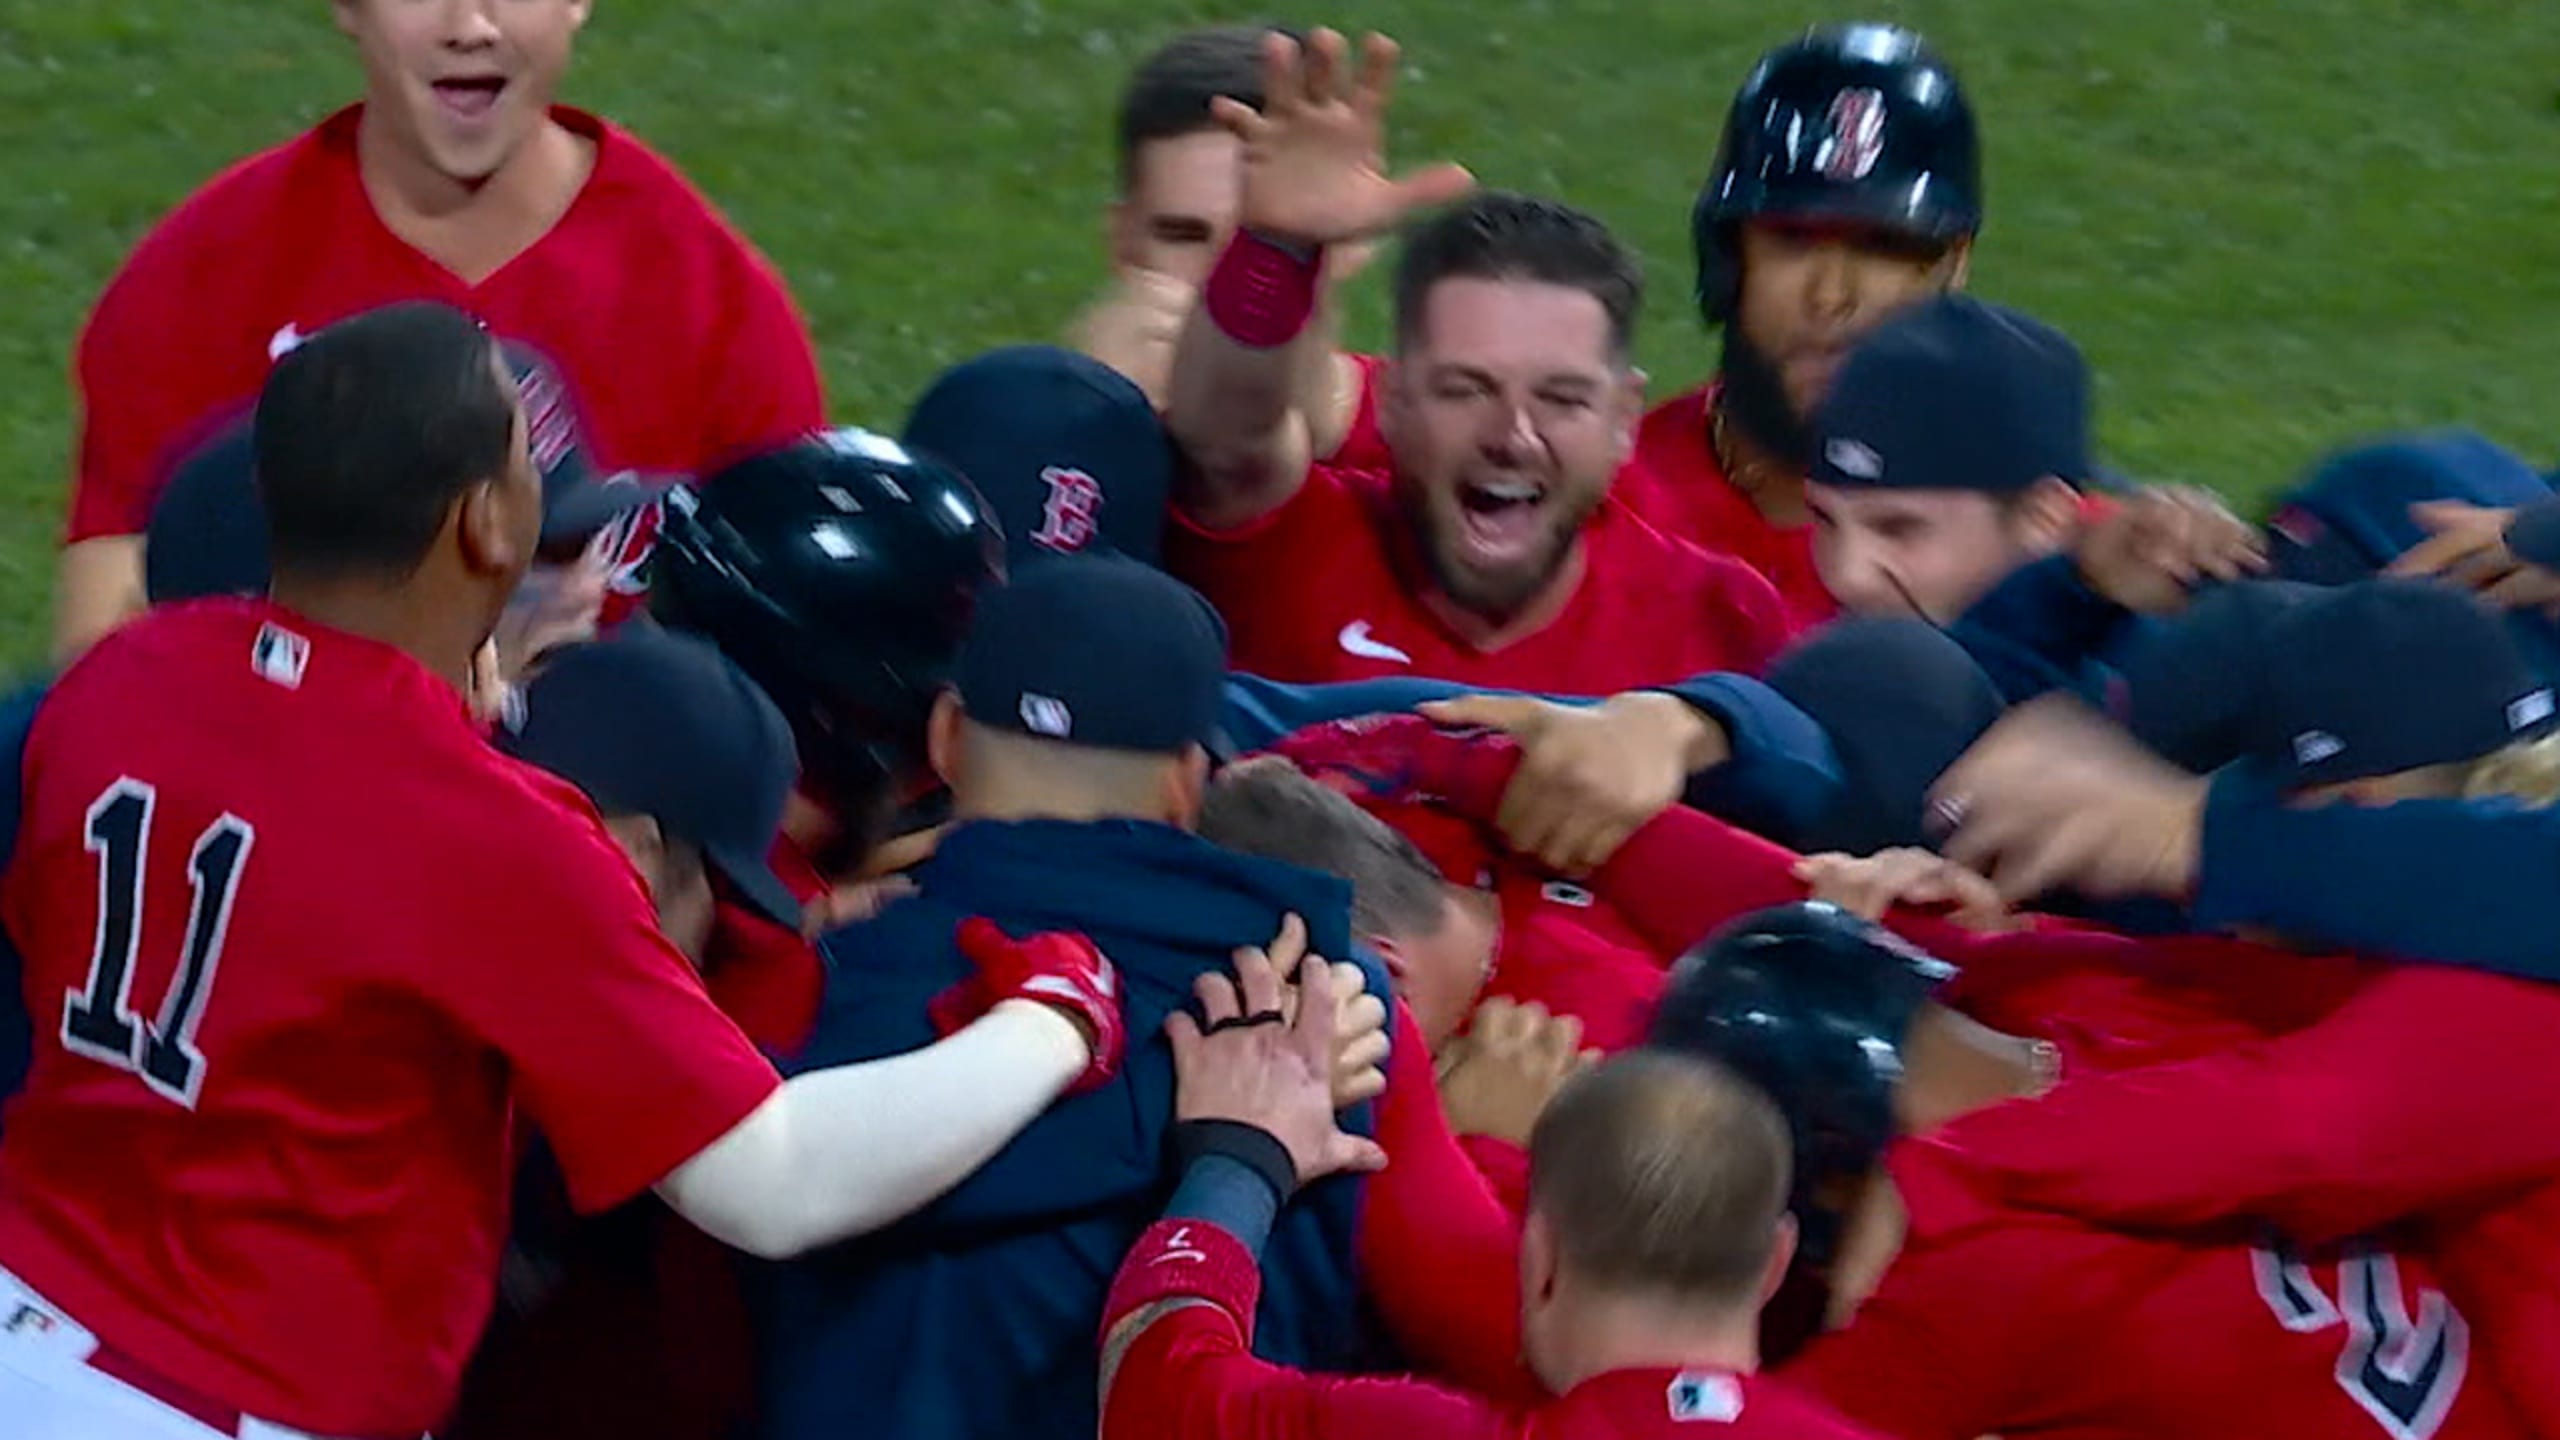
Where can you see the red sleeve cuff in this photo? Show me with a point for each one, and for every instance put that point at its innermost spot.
(1188, 1259)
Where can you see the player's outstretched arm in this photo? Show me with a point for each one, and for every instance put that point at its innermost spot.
(835, 1153)
(1313, 177)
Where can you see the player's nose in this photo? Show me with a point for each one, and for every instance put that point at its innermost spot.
(471, 24)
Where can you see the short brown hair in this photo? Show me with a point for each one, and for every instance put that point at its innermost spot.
(1500, 235)
(1169, 94)
(1268, 807)
(1663, 1173)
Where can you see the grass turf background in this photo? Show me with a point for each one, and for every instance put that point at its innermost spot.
(2273, 227)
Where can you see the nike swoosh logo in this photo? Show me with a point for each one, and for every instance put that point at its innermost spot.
(284, 342)
(1355, 641)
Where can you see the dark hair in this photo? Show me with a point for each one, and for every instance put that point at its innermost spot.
(1663, 1173)
(367, 433)
(1270, 808)
(1499, 235)
(1168, 95)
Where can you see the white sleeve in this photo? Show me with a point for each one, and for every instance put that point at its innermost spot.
(837, 1152)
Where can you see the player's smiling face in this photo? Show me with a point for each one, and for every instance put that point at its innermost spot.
(1927, 553)
(1811, 291)
(464, 83)
(1509, 410)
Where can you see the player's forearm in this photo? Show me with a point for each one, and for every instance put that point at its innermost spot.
(1683, 874)
(97, 587)
(1233, 399)
(842, 1151)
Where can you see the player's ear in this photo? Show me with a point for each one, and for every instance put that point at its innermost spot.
(1782, 1253)
(579, 10)
(1956, 266)
(1538, 1260)
(1185, 783)
(344, 13)
(2046, 516)
(493, 535)
(942, 735)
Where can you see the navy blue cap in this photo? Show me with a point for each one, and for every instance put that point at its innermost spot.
(1096, 651)
(1901, 700)
(207, 534)
(2313, 685)
(651, 722)
(1956, 394)
(2349, 516)
(2533, 534)
(1066, 450)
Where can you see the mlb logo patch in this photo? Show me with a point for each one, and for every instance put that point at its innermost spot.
(1047, 715)
(1855, 459)
(1558, 892)
(279, 655)
(1712, 1398)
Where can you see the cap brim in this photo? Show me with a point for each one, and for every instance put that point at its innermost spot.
(578, 510)
(753, 880)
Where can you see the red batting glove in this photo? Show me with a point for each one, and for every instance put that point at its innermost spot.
(1057, 968)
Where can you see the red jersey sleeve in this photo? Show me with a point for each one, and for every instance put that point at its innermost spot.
(1440, 1253)
(144, 394)
(1685, 873)
(1187, 1373)
(616, 1053)
(765, 386)
(2422, 1092)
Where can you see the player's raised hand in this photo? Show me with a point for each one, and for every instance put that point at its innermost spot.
(1590, 776)
(1869, 885)
(2152, 551)
(1247, 1061)
(2054, 796)
(1315, 154)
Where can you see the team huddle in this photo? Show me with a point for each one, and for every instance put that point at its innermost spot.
(1209, 884)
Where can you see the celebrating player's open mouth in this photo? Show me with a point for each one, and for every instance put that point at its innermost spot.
(1502, 519)
(469, 101)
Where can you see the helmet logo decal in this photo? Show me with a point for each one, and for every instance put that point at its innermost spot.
(1857, 135)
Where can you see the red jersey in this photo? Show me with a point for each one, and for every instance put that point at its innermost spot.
(312, 943)
(1319, 590)
(1679, 487)
(1190, 1371)
(1364, 442)
(1997, 1321)
(679, 345)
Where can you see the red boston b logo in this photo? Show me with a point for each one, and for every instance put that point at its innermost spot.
(1857, 135)
(1072, 511)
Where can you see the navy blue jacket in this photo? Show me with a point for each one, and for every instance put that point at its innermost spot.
(2042, 628)
(977, 1316)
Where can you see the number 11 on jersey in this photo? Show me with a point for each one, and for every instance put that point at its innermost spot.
(98, 1020)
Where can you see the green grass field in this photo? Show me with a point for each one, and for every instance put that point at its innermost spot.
(2272, 226)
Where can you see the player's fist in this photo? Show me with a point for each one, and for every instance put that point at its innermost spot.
(2153, 550)
(1315, 154)
(1498, 1078)
(1058, 969)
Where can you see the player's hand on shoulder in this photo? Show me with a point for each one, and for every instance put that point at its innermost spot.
(1497, 1078)
(1058, 970)
(2150, 553)
(1315, 153)
(1590, 776)
(1253, 1058)
(1359, 1034)
(1869, 885)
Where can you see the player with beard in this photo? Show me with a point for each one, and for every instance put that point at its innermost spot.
(1490, 551)
(1847, 186)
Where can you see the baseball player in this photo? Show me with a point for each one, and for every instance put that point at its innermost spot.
(1847, 184)
(1657, 1226)
(839, 572)
(1488, 551)
(257, 1180)
(1976, 1316)
(456, 178)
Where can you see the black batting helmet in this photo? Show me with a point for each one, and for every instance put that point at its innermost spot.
(1810, 1003)
(1848, 122)
(839, 572)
